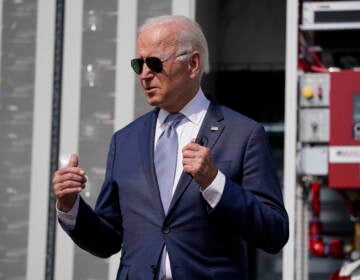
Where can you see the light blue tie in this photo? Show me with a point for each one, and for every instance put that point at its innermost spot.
(165, 158)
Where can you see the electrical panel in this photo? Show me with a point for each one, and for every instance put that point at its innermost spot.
(314, 90)
(314, 125)
(313, 161)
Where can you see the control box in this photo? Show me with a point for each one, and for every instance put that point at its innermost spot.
(314, 125)
(313, 161)
(314, 90)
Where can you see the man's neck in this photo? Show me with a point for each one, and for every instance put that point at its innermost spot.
(178, 107)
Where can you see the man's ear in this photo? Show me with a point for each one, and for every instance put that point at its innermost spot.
(194, 64)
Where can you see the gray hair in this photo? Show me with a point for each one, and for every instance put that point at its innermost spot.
(191, 36)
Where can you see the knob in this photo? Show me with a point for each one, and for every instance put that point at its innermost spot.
(307, 92)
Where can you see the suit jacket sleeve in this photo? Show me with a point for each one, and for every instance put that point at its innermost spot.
(251, 208)
(99, 231)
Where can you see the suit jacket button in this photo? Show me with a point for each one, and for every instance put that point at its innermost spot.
(153, 268)
(165, 230)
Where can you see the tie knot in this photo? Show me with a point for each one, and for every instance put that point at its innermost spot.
(172, 120)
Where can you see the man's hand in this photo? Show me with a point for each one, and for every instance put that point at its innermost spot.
(67, 183)
(197, 162)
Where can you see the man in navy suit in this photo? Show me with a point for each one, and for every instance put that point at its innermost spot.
(224, 193)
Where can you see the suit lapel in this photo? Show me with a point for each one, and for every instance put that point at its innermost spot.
(209, 133)
(212, 126)
(146, 148)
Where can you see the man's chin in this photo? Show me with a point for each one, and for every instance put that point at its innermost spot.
(153, 99)
(153, 102)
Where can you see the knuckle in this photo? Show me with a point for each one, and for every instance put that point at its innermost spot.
(55, 178)
(67, 184)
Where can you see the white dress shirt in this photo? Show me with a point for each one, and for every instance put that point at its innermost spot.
(194, 112)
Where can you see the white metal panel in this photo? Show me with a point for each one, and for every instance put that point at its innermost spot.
(290, 133)
(69, 120)
(125, 81)
(1, 27)
(313, 160)
(331, 26)
(125, 78)
(314, 125)
(40, 159)
(184, 7)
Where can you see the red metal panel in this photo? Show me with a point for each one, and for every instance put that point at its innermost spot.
(345, 175)
(344, 85)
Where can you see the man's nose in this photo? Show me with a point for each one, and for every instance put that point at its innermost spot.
(146, 73)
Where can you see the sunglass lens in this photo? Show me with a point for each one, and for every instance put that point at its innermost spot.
(137, 65)
(154, 63)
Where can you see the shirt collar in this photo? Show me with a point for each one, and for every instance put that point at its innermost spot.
(193, 110)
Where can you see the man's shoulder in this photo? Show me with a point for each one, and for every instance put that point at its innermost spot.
(233, 117)
(139, 122)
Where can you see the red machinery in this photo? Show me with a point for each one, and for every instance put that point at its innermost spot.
(330, 135)
(344, 144)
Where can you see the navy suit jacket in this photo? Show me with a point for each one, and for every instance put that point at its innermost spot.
(202, 243)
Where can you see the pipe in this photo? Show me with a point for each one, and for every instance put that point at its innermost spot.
(334, 248)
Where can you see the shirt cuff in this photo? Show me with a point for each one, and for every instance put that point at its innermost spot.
(68, 219)
(212, 194)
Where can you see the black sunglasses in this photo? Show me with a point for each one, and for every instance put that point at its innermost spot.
(154, 63)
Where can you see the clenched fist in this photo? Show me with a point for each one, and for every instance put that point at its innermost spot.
(197, 162)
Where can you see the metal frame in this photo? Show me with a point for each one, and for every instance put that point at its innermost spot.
(71, 85)
(290, 134)
(331, 26)
(301, 238)
(40, 159)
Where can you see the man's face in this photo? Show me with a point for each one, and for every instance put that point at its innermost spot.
(168, 89)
